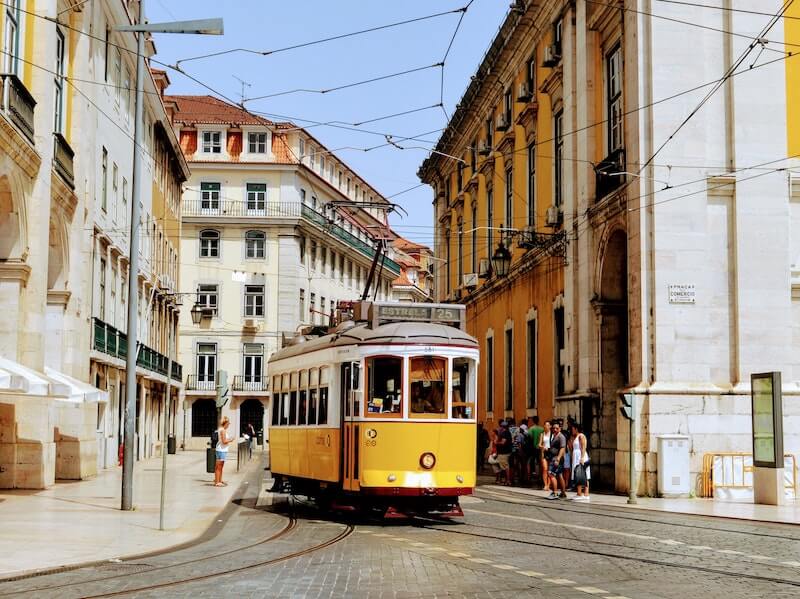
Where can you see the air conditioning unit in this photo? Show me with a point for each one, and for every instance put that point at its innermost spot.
(554, 216)
(470, 280)
(483, 148)
(552, 55)
(502, 123)
(250, 324)
(524, 93)
(484, 268)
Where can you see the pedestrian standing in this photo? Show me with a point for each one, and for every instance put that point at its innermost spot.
(580, 460)
(544, 451)
(535, 434)
(558, 447)
(223, 440)
(504, 444)
(482, 445)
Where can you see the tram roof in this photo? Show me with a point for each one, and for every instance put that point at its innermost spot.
(424, 333)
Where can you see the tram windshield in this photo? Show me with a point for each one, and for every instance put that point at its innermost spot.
(428, 381)
(384, 376)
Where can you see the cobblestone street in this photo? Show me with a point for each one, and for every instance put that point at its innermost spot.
(507, 544)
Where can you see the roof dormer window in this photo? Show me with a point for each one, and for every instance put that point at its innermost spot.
(257, 143)
(212, 142)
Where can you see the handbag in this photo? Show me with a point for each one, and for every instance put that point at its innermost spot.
(492, 459)
(579, 475)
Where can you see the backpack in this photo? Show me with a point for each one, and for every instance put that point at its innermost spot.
(527, 444)
(214, 437)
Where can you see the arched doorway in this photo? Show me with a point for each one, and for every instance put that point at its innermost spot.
(612, 313)
(204, 417)
(251, 412)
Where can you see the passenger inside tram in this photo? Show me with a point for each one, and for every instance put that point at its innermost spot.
(428, 385)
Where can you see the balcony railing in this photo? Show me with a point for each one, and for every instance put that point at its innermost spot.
(249, 383)
(63, 159)
(235, 208)
(111, 341)
(200, 383)
(17, 103)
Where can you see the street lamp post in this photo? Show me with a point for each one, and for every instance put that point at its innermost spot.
(211, 27)
(501, 260)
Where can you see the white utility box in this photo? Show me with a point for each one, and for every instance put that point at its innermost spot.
(673, 466)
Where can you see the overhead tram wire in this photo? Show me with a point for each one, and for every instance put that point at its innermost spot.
(447, 53)
(726, 9)
(326, 39)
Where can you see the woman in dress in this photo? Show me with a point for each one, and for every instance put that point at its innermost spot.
(580, 457)
(544, 447)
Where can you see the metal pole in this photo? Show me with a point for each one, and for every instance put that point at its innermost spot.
(632, 474)
(133, 278)
(166, 429)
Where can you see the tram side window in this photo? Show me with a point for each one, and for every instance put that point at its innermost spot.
(385, 376)
(289, 411)
(323, 396)
(301, 408)
(463, 389)
(304, 398)
(428, 379)
(276, 400)
(312, 394)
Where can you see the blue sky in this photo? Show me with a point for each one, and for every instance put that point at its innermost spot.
(267, 25)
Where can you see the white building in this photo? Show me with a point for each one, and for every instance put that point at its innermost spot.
(276, 230)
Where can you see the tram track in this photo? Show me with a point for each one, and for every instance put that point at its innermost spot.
(625, 514)
(587, 549)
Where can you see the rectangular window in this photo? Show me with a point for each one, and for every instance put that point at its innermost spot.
(113, 295)
(508, 105)
(460, 177)
(509, 200)
(209, 198)
(312, 156)
(322, 165)
(473, 156)
(312, 309)
(313, 256)
(448, 272)
(206, 365)
(322, 414)
(531, 364)
(255, 244)
(256, 198)
(474, 249)
(460, 279)
(558, 34)
(212, 142)
(302, 149)
(530, 75)
(385, 387)
(114, 188)
(463, 389)
(614, 99)
(558, 323)
(209, 244)
(488, 131)
(104, 181)
(118, 73)
(532, 185)
(489, 220)
(302, 244)
(302, 196)
(427, 387)
(102, 289)
(254, 301)
(489, 374)
(59, 82)
(509, 374)
(11, 37)
(308, 397)
(253, 366)
(257, 143)
(124, 200)
(558, 140)
(126, 94)
(207, 297)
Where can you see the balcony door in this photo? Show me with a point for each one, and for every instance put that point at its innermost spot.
(206, 366)
(209, 198)
(256, 199)
(253, 366)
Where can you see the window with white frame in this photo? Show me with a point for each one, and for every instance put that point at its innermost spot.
(209, 243)
(257, 143)
(206, 365)
(114, 188)
(558, 141)
(614, 99)
(302, 149)
(253, 365)
(254, 301)
(58, 80)
(256, 198)
(212, 142)
(104, 180)
(255, 242)
(11, 36)
(207, 297)
(209, 197)
(532, 184)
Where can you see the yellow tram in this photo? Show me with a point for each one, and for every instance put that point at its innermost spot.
(379, 413)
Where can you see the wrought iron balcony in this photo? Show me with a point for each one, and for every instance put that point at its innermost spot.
(17, 103)
(63, 156)
(111, 341)
(203, 382)
(609, 174)
(249, 383)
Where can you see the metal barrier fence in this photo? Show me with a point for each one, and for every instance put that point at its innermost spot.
(733, 473)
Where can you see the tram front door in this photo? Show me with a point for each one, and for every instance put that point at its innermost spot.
(351, 428)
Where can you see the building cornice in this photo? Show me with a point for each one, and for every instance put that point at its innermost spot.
(15, 270)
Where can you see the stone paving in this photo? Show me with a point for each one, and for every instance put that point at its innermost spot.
(507, 545)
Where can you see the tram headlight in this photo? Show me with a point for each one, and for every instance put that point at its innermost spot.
(459, 478)
(391, 478)
(427, 460)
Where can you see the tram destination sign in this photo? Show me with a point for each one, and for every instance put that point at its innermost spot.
(443, 313)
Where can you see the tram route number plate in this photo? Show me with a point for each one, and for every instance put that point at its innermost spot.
(418, 313)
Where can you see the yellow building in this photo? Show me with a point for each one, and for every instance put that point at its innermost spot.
(496, 189)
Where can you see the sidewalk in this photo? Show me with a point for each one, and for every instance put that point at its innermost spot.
(80, 521)
(786, 514)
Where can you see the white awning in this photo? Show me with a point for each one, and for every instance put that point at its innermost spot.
(16, 377)
(78, 390)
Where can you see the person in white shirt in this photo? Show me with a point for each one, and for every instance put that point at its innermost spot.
(223, 440)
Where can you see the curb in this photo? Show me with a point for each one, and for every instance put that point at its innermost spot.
(208, 533)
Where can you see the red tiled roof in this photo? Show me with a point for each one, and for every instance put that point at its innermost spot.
(404, 245)
(208, 110)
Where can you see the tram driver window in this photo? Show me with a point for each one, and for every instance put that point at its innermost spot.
(323, 395)
(385, 386)
(463, 394)
(428, 391)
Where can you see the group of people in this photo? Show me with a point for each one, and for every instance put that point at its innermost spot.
(528, 452)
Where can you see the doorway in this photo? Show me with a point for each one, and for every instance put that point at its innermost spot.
(251, 412)
(612, 312)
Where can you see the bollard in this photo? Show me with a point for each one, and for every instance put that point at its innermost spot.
(211, 458)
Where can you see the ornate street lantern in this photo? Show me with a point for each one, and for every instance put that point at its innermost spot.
(501, 260)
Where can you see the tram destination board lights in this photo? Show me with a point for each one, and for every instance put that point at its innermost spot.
(453, 315)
